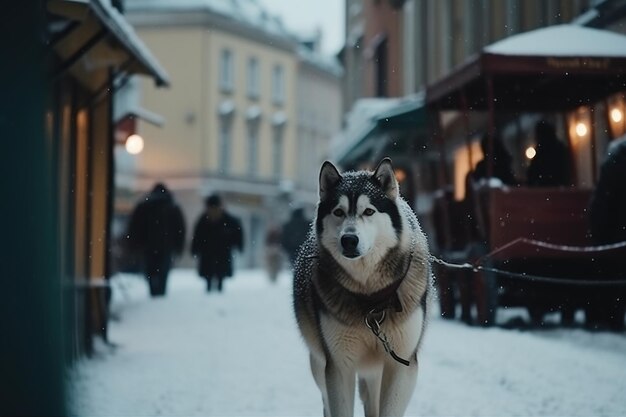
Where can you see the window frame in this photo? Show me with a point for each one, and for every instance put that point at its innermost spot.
(278, 84)
(225, 131)
(253, 148)
(278, 152)
(253, 78)
(227, 71)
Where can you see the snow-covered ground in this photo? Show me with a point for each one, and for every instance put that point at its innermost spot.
(238, 353)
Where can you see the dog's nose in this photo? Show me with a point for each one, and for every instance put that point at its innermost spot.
(349, 242)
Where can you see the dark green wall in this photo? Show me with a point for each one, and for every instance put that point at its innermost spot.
(31, 339)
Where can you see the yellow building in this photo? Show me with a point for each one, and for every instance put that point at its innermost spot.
(229, 117)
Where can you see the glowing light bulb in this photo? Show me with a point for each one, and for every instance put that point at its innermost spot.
(616, 115)
(134, 144)
(530, 152)
(581, 129)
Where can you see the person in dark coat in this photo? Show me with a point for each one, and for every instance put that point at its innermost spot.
(608, 203)
(156, 231)
(294, 233)
(501, 165)
(607, 218)
(273, 252)
(501, 169)
(215, 236)
(551, 165)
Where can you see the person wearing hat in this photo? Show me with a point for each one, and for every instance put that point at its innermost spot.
(215, 236)
(551, 165)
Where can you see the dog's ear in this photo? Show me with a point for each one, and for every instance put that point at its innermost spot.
(329, 178)
(386, 178)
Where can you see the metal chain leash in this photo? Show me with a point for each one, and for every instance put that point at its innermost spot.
(373, 324)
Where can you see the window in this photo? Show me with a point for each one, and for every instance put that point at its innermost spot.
(253, 149)
(277, 152)
(472, 28)
(513, 16)
(226, 71)
(380, 62)
(278, 85)
(225, 144)
(253, 78)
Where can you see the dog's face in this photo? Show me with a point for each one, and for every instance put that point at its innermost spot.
(357, 216)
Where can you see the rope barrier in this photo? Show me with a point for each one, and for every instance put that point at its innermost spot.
(619, 281)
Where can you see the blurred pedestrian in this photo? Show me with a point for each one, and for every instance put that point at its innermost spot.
(608, 204)
(156, 232)
(294, 233)
(502, 170)
(606, 309)
(273, 252)
(550, 167)
(501, 162)
(215, 236)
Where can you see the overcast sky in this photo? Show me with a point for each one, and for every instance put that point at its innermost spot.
(306, 15)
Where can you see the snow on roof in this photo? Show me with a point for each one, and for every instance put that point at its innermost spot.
(586, 17)
(249, 12)
(562, 40)
(326, 63)
(125, 34)
(127, 102)
(360, 120)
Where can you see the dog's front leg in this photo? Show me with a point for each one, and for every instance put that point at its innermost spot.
(397, 387)
(340, 384)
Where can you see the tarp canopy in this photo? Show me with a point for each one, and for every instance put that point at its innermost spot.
(408, 114)
(550, 69)
(381, 134)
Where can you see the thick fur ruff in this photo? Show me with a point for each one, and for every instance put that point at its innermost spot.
(365, 254)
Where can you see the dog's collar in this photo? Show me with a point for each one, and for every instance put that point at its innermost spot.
(381, 299)
(372, 307)
(377, 302)
(384, 298)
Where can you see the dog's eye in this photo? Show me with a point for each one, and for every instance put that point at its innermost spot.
(368, 212)
(338, 213)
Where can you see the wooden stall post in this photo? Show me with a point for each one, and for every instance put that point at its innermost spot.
(465, 110)
(492, 124)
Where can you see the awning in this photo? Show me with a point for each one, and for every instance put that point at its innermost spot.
(408, 114)
(91, 37)
(389, 132)
(550, 69)
(127, 104)
(143, 114)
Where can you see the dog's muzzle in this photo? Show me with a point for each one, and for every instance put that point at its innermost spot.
(349, 244)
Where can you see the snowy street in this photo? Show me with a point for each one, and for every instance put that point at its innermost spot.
(239, 353)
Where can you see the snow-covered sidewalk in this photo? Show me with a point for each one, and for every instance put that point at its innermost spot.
(238, 353)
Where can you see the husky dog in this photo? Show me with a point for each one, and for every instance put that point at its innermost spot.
(361, 289)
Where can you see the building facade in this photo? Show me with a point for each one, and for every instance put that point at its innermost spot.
(89, 62)
(319, 113)
(230, 118)
(439, 36)
(397, 47)
(372, 54)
